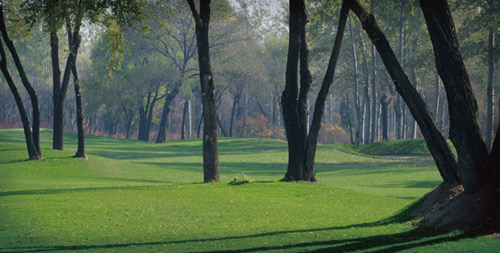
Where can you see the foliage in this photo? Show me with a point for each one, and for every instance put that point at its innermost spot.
(330, 134)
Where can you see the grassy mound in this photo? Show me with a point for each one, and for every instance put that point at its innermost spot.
(415, 147)
(136, 196)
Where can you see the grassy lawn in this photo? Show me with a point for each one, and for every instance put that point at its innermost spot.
(138, 196)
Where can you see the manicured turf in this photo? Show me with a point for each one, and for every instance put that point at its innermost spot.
(138, 196)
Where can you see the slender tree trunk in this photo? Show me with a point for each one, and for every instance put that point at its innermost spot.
(439, 148)
(384, 102)
(319, 106)
(74, 44)
(462, 106)
(189, 120)
(366, 94)
(374, 88)
(490, 96)
(142, 122)
(184, 115)
(27, 85)
(210, 149)
(32, 150)
(166, 110)
(355, 88)
(236, 100)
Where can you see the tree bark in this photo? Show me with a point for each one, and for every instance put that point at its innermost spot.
(32, 150)
(464, 129)
(490, 96)
(436, 142)
(27, 85)
(160, 137)
(355, 88)
(319, 106)
(210, 149)
(59, 92)
(183, 125)
(373, 84)
(384, 102)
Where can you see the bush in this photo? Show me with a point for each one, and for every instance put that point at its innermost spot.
(241, 179)
(330, 134)
(258, 127)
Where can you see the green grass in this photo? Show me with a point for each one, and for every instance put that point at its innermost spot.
(138, 196)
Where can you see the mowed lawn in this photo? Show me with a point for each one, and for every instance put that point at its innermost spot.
(136, 196)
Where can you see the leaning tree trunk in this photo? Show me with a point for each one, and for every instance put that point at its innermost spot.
(210, 149)
(32, 151)
(319, 106)
(462, 106)
(27, 85)
(436, 142)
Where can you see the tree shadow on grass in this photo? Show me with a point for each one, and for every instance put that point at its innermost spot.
(61, 191)
(378, 243)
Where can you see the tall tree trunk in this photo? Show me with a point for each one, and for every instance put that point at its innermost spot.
(490, 96)
(373, 84)
(210, 149)
(436, 97)
(74, 43)
(142, 122)
(236, 100)
(439, 148)
(355, 97)
(27, 85)
(319, 106)
(59, 92)
(366, 94)
(189, 120)
(462, 106)
(32, 150)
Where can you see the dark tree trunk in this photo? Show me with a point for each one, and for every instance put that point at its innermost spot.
(32, 150)
(291, 104)
(355, 88)
(384, 102)
(319, 106)
(27, 85)
(210, 149)
(183, 125)
(464, 129)
(374, 88)
(166, 110)
(59, 92)
(490, 90)
(142, 122)
(236, 100)
(74, 44)
(436, 142)
(198, 131)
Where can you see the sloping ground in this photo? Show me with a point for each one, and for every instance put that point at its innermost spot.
(140, 197)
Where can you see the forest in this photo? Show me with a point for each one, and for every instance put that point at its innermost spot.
(147, 93)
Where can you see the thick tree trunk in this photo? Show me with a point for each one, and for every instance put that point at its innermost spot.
(27, 85)
(436, 142)
(32, 150)
(462, 106)
(210, 149)
(59, 92)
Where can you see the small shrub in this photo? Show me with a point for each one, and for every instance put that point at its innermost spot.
(330, 134)
(241, 178)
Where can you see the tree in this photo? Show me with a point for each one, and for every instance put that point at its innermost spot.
(301, 144)
(32, 138)
(210, 150)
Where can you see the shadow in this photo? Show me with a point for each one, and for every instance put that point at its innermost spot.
(61, 191)
(392, 242)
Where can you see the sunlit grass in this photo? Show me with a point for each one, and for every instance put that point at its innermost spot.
(138, 196)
